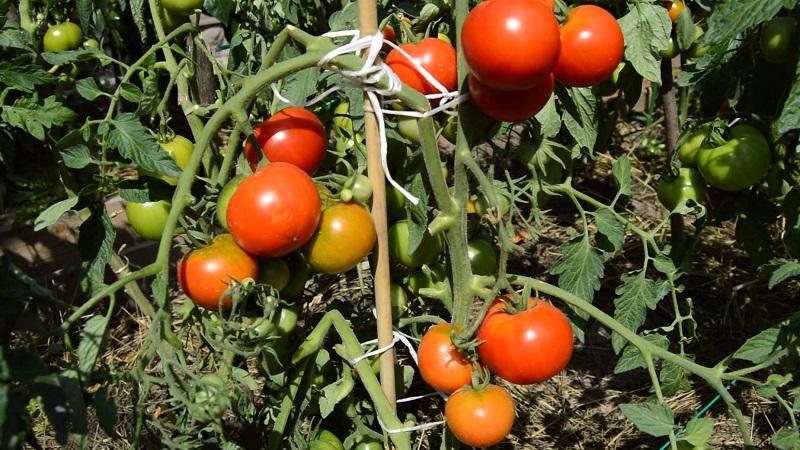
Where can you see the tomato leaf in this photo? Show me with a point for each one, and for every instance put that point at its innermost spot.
(128, 136)
(344, 19)
(137, 11)
(788, 269)
(631, 358)
(23, 74)
(646, 29)
(417, 215)
(698, 431)
(685, 30)
(622, 173)
(54, 212)
(730, 18)
(32, 117)
(762, 346)
(673, 378)
(145, 189)
(579, 269)
(580, 114)
(549, 119)
(92, 340)
(786, 439)
(88, 89)
(95, 244)
(298, 86)
(635, 295)
(649, 417)
(77, 156)
(610, 232)
(789, 118)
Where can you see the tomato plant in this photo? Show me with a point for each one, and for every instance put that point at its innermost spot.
(292, 135)
(182, 7)
(528, 347)
(274, 211)
(592, 46)
(205, 273)
(434, 55)
(61, 37)
(345, 236)
(148, 218)
(428, 250)
(504, 57)
(441, 365)
(687, 185)
(480, 417)
(510, 106)
(739, 162)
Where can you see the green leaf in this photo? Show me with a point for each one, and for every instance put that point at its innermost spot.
(760, 347)
(92, 340)
(15, 38)
(417, 215)
(789, 118)
(673, 378)
(634, 296)
(298, 86)
(22, 74)
(28, 115)
(88, 89)
(580, 114)
(649, 417)
(86, 12)
(622, 173)
(77, 156)
(51, 215)
(685, 30)
(130, 92)
(646, 29)
(580, 268)
(95, 244)
(730, 18)
(138, 13)
(549, 119)
(631, 358)
(610, 232)
(106, 409)
(145, 189)
(133, 141)
(787, 439)
(345, 19)
(788, 269)
(72, 56)
(698, 431)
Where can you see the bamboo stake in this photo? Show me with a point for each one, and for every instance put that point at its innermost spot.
(368, 24)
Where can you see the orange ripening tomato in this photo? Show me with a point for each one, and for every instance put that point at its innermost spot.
(345, 236)
(592, 46)
(528, 347)
(675, 8)
(275, 211)
(480, 417)
(441, 365)
(292, 135)
(204, 274)
(510, 106)
(434, 55)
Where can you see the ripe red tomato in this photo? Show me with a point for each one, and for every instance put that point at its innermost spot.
(434, 55)
(511, 44)
(528, 347)
(275, 211)
(591, 46)
(345, 236)
(675, 8)
(510, 106)
(204, 274)
(293, 135)
(441, 365)
(480, 418)
(550, 4)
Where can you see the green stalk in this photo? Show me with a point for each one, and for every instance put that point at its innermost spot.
(25, 21)
(297, 388)
(132, 289)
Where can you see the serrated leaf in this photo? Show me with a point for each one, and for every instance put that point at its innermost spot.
(54, 212)
(652, 418)
(610, 232)
(788, 269)
(631, 358)
(730, 18)
(137, 11)
(298, 86)
(580, 114)
(92, 339)
(88, 88)
(28, 115)
(22, 74)
(579, 269)
(635, 295)
(95, 244)
(132, 140)
(646, 29)
(786, 439)
(345, 18)
(698, 431)
(685, 30)
(760, 347)
(15, 38)
(789, 118)
(77, 156)
(72, 56)
(549, 119)
(673, 378)
(145, 189)
(622, 173)
(130, 92)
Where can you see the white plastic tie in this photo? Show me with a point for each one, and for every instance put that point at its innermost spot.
(423, 426)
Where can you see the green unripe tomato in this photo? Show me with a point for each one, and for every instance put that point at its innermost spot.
(63, 36)
(299, 270)
(482, 205)
(482, 257)
(408, 128)
(418, 279)
(395, 203)
(688, 185)
(399, 299)
(689, 148)
(427, 251)
(182, 7)
(322, 445)
(91, 43)
(778, 39)
(342, 122)
(368, 443)
(274, 272)
(738, 163)
(696, 51)
(149, 218)
(225, 198)
(330, 438)
(670, 51)
(171, 21)
(285, 320)
(361, 189)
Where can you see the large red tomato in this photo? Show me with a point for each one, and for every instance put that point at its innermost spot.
(274, 211)
(511, 44)
(482, 417)
(204, 274)
(345, 236)
(293, 135)
(441, 365)
(510, 106)
(528, 347)
(591, 47)
(434, 55)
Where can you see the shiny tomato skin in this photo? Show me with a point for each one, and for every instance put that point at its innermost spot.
(182, 7)
(480, 418)
(510, 106)
(204, 273)
(345, 236)
(61, 37)
(292, 135)
(441, 365)
(180, 149)
(434, 55)
(592, 46)
(675, 8)
(225, 198)
(528, 347)
(149, 218)
(275, 211)
(511, 44)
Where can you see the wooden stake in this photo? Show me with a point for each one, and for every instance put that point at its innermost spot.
(368, 25)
